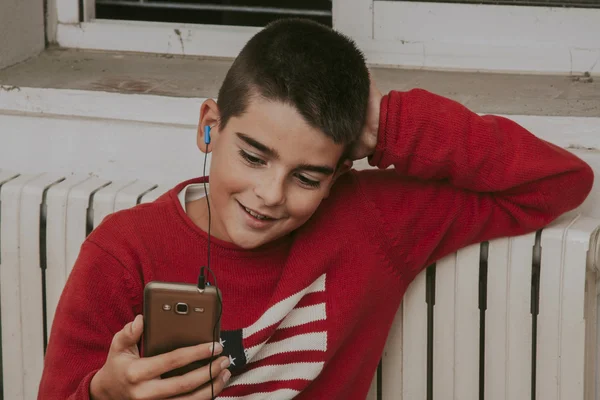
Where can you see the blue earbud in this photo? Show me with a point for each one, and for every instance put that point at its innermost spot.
(206, 134)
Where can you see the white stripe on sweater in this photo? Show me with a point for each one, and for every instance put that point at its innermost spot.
(315, 341)
(279, 310)
(285, 372)
(281, 394)
(304, 315)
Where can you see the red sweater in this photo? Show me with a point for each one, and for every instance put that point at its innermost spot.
(308, 315)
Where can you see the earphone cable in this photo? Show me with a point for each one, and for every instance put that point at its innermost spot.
(202, 278)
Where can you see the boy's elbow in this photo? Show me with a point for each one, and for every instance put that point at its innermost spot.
(587, 182)
(578, 189)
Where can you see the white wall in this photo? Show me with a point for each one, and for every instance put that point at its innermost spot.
(114, 136)
(110, 149)
(153, 138)
(21, 30)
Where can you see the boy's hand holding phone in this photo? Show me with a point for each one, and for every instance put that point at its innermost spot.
(126, 375)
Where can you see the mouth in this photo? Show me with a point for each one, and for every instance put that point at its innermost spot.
(257, 215)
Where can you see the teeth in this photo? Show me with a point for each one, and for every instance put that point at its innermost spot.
(255, 215)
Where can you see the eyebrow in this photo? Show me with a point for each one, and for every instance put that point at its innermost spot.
(258, 145)
(321, 169)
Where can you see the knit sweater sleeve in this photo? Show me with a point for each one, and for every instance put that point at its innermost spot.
(97, 302)
(460, 178)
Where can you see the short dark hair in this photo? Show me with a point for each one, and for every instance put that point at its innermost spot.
(310, 66)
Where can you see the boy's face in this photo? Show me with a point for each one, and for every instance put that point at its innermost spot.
(269, 172)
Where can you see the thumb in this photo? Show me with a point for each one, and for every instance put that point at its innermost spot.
(130, 335)
(137, 327)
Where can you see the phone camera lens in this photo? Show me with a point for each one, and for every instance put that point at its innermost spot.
(181, 308)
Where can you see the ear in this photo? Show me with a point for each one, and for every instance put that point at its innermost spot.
(341, 170)
(209, 116)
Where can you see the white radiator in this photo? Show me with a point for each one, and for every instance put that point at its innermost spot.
(442, 345)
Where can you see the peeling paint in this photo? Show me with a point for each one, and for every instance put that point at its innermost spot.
(580, 147)
(585, 78)
(10, 88)
(178, 33)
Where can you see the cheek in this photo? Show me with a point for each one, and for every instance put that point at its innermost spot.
(302, 206)
(226, 175)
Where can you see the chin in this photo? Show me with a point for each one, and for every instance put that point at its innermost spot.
(247, 242)
(250, 244)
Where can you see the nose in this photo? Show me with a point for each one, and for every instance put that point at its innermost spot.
(271, 192)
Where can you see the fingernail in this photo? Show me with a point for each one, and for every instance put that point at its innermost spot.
(225, 363)
(217, 348)
(135, 322)
(226, 375)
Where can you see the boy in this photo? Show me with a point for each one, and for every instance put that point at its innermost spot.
(311, 272)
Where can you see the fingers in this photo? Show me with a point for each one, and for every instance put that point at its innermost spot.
(187, 384)
(205, 392)
(128, 336)
(153, 367)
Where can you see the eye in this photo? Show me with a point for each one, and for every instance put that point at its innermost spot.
(308, 182)
(250, 159)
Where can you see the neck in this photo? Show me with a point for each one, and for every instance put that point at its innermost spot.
(197, 210)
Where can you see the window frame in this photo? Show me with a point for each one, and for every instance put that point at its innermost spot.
(406, 34)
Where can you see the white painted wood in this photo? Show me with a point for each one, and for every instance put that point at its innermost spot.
(524, 25)
(128, 197)
(483, 57)
(179, 111)
(444, 328)
(372, 394)
(51, 20)
(549, 349)
(591, 328)
(414, 339)
(429, 35)
(497, 319)
(32, 310)
(392, 359)
(57, 242)
(114, 150)
(89, 10)
(156, 37)
(6, 175)
(572, 334)
(67, 11)
(13, 362)
(497, 38)
(508, 333)
(591, 318)
(104, 200)
(155, 193)
(596, 375)
(353, 18)
(466, 328)
(77, 211)
(181, 115)
(519, 319)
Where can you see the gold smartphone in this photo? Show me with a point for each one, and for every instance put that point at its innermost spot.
(179, 315)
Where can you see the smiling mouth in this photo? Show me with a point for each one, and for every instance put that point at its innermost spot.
(257, 215)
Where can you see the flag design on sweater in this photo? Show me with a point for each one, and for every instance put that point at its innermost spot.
(283, 351)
